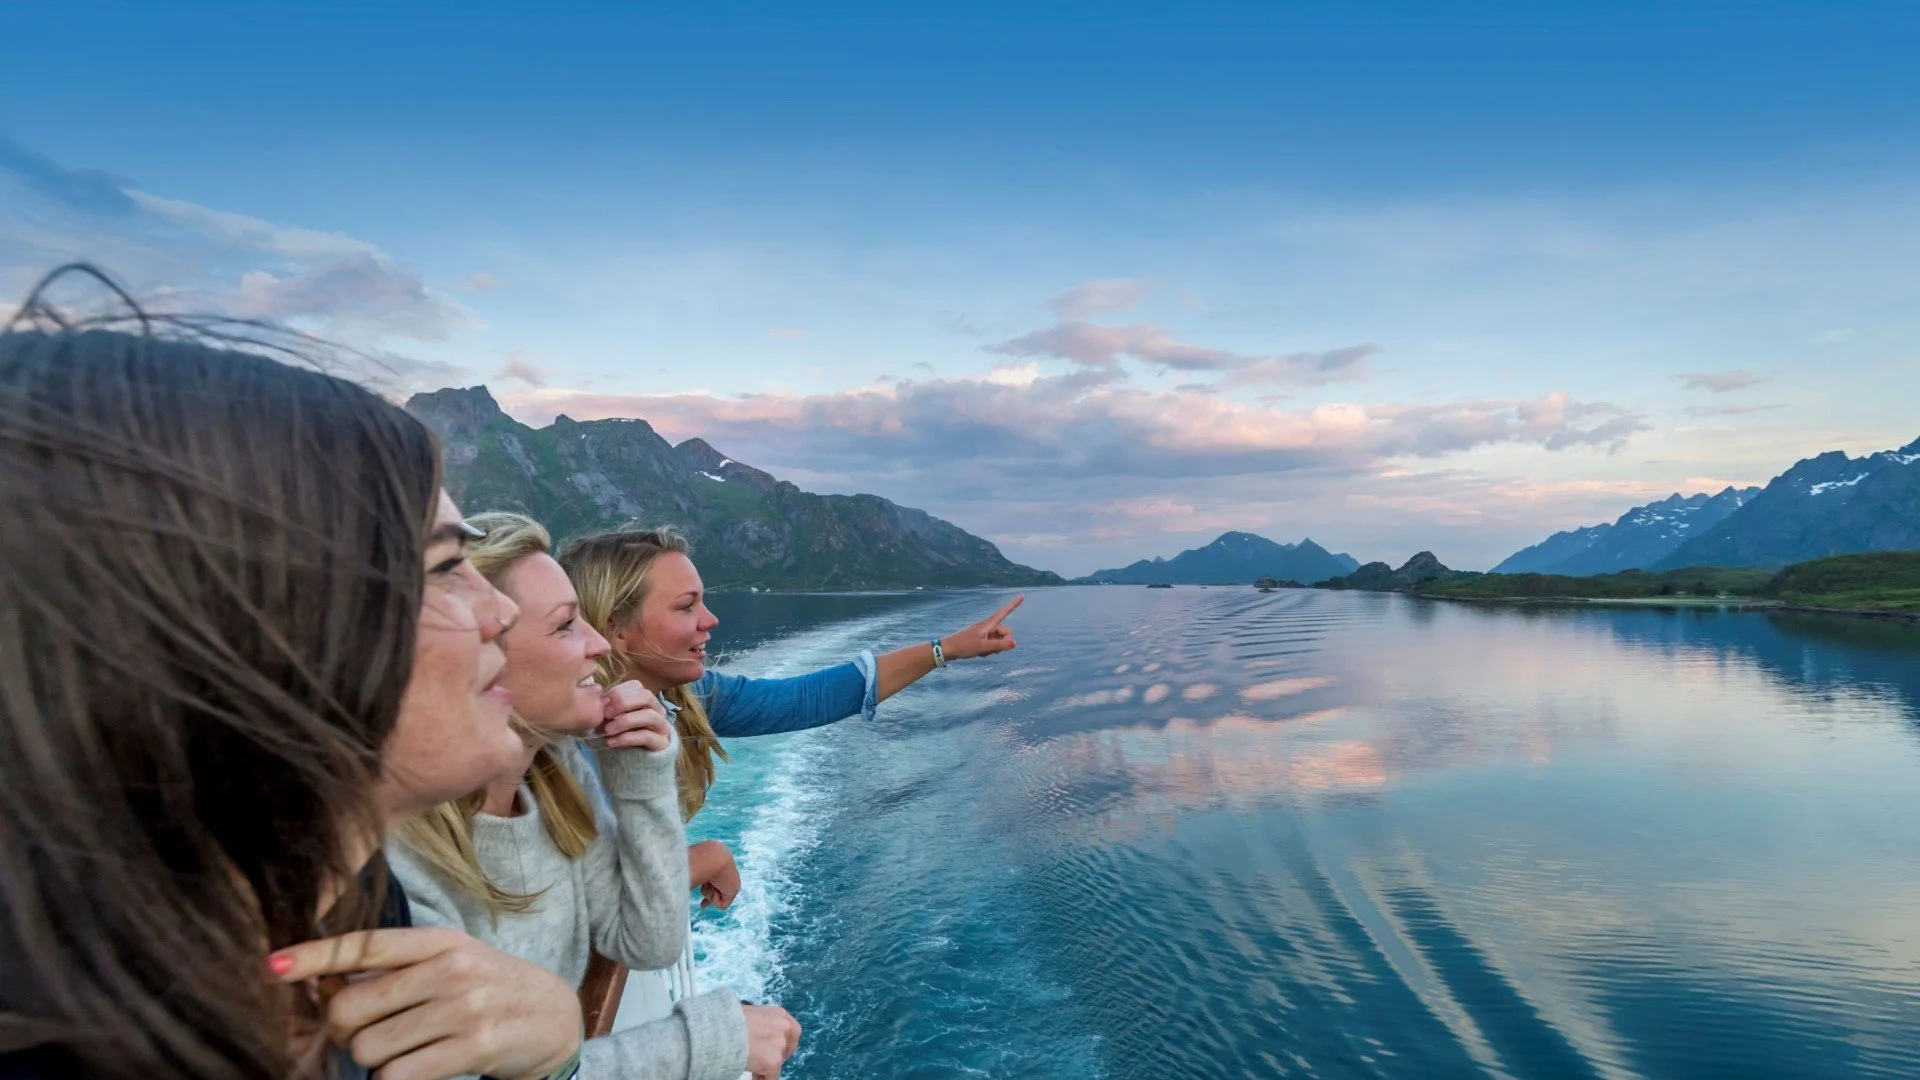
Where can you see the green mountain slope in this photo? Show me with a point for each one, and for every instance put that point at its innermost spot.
(748, 528)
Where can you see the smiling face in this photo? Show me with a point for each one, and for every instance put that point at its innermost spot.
(453, 734)
(665, 641)
(553, 651)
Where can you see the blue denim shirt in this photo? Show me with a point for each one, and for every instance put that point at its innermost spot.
(738, 706)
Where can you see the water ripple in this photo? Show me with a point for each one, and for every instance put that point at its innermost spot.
(1211, 833)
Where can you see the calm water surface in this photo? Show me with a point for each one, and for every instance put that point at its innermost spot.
(1210, 833)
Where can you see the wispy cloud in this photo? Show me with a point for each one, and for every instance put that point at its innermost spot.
(1099, 296)
(356, 288)
(1098, 346)
(1102, 346)
(1334, 365)
(1719, 382)
(210, 259)
(1729, 410)
(518, 369)
(84, 190)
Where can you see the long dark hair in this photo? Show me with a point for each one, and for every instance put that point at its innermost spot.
(211, 571)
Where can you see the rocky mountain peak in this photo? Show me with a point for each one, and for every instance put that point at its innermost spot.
(1424, 564)
(457, 412)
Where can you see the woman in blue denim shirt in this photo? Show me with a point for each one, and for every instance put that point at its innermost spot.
(640, 589)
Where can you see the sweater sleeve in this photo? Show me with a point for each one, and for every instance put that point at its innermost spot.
(738, 706)
(704, 1038)
(636, 876)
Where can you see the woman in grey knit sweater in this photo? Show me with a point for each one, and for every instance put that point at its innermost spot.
(523, 864)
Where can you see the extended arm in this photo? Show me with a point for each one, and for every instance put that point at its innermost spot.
(738, 706)
(902, 667)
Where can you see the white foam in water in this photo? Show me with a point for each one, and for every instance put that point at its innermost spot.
(737, 950)
(771, 837)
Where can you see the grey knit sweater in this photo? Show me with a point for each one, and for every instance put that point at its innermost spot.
(627, 898)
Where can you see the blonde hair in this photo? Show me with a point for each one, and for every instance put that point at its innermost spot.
(442, 837)
(609, 571)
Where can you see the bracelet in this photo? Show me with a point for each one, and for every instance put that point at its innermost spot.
(939, 654)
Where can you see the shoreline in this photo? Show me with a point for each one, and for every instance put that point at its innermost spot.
(1858, 613)
(1741, 603)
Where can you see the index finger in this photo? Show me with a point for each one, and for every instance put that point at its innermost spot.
(363, 950)
(1001, 615)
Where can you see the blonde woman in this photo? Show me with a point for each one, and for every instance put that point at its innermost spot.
(640, 589)
(523, 863)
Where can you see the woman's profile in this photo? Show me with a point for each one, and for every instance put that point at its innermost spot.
(234, 620)
(641, 590)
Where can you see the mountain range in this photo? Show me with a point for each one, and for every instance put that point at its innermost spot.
(748, 527)
(1640, 537)
(1826, 505)
(1235, 558)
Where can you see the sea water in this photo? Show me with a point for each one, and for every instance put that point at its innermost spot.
(1215, 833)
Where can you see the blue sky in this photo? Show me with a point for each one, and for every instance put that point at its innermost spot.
(1094, 281)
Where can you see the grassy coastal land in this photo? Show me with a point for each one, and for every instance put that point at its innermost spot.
(1876, 583)
(1881, 581)
(1691, 581)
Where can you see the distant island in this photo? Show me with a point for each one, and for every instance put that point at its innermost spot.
(1874, 583)
(1234, 558)
(749, 529)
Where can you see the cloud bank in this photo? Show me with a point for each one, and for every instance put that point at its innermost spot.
(1047, 464)
(1069, 426)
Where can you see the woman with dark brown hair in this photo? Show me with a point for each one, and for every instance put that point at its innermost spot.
(238, 640)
